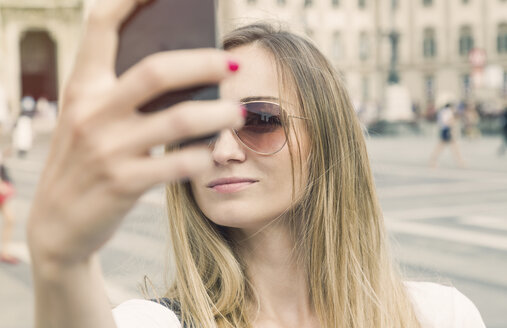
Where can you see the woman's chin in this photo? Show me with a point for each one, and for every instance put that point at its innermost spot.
(231, 221)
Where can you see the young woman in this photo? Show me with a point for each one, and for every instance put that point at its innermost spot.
(283, 229)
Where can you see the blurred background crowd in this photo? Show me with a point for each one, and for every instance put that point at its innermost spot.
(402, 60)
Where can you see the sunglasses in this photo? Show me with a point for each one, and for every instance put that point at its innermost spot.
(265, 129)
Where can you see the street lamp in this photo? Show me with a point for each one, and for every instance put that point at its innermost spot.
(398, 103)
(394, 37)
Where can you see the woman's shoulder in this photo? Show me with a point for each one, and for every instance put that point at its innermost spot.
(443, 306)
(139, 313)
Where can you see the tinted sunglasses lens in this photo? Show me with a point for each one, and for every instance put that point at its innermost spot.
(263, 131)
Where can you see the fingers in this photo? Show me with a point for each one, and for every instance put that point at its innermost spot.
(99, 42)
(168, 71)
(182, 121)
(144, 173)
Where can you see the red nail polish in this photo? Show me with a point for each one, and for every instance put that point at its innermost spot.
(233, 66)
(243, 111)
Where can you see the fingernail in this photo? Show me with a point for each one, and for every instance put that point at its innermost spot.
(243, 111)
(233, 66)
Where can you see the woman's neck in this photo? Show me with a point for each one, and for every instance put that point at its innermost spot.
(279, 282)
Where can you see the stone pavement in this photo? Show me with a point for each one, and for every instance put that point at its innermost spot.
(447, 225)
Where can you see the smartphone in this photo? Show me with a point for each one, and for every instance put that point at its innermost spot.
(162, 25)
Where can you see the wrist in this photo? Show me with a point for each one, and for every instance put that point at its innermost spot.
(54, 271)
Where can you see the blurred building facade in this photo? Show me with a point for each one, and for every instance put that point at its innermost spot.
(436, 38)
(38, 40)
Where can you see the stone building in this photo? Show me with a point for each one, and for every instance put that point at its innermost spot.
(435, 41)
(38, 40)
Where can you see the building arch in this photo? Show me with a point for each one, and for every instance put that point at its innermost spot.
(38, 64)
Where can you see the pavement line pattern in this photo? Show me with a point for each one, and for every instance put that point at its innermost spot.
(115, 291)
(454, 210)
(485, 222)
(443, 173)
(449, 234)
(434, 189)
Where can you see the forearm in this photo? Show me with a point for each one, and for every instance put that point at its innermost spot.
(71, 297)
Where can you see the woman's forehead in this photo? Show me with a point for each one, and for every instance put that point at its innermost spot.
(257, 79)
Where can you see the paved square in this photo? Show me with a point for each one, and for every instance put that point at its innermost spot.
(447, 225)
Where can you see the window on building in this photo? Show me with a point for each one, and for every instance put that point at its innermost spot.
(308, 3)
(427, 3)
(364, 46)
(335, 3)
(429, 43)
(466, 40)
(501, 41)
(337, 46)
(281, 2)
(361, 3)
(251, 1)
(394, 4)
(465, 2)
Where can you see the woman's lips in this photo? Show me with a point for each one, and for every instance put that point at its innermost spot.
(227, 188)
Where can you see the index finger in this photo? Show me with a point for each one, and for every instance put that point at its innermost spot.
(169, 71)
(97, 52)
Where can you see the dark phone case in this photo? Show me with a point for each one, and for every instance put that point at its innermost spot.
(163, 25)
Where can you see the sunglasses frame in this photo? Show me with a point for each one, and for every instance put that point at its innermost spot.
(286, 129)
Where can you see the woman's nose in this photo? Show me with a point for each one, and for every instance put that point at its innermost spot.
(227, 148)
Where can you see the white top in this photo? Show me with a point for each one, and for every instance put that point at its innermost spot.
(436, 306)
(445, 117)
(23, 134)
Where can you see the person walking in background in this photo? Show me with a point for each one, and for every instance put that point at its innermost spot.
(471, 122)
(22, 137)
(6, 193)
(4, 111)
(503, 145)
(446, 122)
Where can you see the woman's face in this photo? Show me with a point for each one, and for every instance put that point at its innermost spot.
(267, 194)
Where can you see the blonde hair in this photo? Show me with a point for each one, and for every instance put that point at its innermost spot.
(342, 242)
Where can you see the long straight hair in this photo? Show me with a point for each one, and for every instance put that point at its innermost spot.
(342, 242)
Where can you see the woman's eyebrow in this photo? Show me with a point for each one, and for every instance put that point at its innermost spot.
(256, 98)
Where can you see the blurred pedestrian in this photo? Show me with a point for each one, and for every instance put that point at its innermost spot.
(503, 145)
(447, 134)
(471, 122)
(28, 106)
(22, 137)
(4, 111)
(416, 111)
(6, 193)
